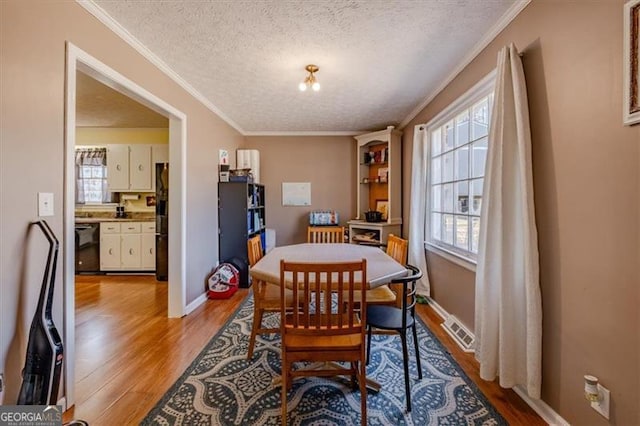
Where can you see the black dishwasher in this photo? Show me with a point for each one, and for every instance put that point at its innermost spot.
(87, 247)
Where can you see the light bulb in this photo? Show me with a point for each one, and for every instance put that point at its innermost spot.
(315, 86)
(302, 87)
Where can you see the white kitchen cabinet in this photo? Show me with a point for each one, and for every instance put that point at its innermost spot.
(129, 168)
(148, 251)
(118, 167)
(109, 246)
(127, 246)
(130, 251)
(140, 168)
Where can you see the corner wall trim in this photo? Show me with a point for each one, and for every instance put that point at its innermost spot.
(197, 302)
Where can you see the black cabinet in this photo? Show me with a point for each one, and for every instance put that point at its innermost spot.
(241, 215)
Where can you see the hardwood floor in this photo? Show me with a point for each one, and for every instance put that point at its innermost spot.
(128, 353)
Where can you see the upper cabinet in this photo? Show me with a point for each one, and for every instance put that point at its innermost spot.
(130, 168)
(380, 174)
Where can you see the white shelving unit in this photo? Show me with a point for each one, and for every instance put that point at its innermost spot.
(379, 182)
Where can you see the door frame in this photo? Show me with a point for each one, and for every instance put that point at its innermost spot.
(79, 60)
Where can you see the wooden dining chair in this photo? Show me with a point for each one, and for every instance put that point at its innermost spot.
(398, 249)
(399, 320)
(326, 326)
(266, 297)
(325, 234)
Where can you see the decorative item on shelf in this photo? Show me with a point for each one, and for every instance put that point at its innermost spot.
(383, 174)
(323, 217)
(240, 175)
(382, 207)
(310, 80)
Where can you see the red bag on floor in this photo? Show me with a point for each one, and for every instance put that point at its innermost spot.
(223, 282)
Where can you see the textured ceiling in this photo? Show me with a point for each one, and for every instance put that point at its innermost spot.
(100, 106)
(379, 60)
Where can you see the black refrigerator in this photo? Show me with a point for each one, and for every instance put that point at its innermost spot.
(162, 221)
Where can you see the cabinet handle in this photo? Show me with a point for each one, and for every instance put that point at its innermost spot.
(150, 251)
(130, 251)
(118, 168)
(110, 251)
(140, 167)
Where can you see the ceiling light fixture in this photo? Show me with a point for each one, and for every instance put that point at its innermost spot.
(310, 81)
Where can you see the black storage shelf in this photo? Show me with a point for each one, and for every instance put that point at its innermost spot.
(241, 215)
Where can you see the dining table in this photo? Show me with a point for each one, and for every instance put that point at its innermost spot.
(381, 268)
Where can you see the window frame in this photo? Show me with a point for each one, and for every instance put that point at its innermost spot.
(485, 87)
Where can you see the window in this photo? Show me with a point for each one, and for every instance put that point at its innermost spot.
(456, 155)
(91, 176)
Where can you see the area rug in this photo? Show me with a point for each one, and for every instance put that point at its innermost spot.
(222, 387)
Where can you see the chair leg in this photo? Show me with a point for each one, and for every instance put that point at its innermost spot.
(362, 380)
(368, 343)
(405, 355)
(257, 323)
(415, 343)
(284, 390)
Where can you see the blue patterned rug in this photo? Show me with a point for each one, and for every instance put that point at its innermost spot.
(222, 387)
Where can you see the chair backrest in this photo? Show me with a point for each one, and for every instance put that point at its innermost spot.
(329, 295)
(325, 234)
(409, 289)
(397, 248)
(254, 249)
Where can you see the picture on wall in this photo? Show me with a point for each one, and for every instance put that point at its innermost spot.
(631, 90)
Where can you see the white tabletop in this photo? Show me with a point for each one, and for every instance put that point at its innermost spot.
(381, 268)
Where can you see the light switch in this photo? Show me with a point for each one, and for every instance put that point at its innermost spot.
(45, 204)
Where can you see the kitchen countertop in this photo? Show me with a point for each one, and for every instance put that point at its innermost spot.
(113, 219)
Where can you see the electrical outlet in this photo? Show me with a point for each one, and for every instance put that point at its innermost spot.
(602, 405)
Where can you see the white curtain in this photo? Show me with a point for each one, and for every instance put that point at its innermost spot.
(418, 210)
(508, 310)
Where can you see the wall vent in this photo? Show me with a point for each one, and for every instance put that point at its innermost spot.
(463, 337)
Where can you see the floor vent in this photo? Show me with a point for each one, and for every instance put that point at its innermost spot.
(460, 334)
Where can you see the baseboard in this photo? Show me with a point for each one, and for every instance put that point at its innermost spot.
(439, 309)
(197, 302)
(63, 403)
(539, 406)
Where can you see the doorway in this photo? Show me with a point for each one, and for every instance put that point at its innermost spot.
(78, 60)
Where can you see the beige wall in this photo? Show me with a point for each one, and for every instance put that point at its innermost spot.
(327, 162)
(32, 49)
(586, 177)
(110, 136)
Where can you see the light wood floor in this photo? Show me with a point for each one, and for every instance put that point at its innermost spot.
(128, 353)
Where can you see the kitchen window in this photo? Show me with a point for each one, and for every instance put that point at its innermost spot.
(91, 176)
(457, 141)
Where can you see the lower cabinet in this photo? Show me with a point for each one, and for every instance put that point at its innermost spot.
(127, 246)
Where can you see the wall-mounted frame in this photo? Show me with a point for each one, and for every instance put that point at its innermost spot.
(631, 66)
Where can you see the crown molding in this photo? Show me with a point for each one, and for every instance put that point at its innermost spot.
(125, 35)
(493, 32)
(305, 133)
